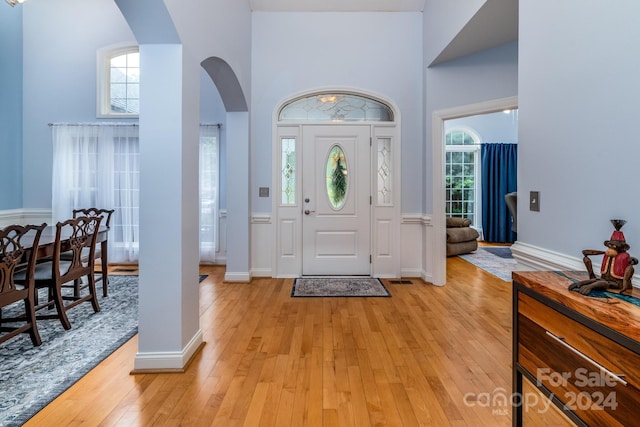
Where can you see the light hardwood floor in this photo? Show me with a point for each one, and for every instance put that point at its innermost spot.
(428, 356)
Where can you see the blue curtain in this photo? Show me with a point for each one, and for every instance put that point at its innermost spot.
(499, 167)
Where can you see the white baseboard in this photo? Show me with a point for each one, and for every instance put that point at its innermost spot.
(167, 361)
(429, 279)
(261, 272)
(237, 277)
(411, 272)
(543, 259)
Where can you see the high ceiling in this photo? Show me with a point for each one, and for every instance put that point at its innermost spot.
(337, 5)
(495, 23)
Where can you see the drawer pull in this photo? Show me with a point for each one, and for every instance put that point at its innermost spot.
(561, 340)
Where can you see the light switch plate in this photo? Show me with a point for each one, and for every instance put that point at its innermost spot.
(263, 192)
(534, 201)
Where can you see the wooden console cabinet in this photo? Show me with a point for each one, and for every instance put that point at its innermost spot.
(583, 353)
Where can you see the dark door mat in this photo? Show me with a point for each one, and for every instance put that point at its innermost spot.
(338, 287)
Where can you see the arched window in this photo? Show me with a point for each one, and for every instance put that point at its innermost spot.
(335, 107)
(119, 82)
(462, 175)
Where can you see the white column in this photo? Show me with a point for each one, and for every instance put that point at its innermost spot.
(169, 331)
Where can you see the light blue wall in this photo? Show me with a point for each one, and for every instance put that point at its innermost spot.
(578, 100)
(60, 80)
(11, 107)
(491, 74)
(492, 127)
(60, 42)
(212, 111)
(378, 53)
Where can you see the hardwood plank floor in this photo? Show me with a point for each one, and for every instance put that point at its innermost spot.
(427, 356)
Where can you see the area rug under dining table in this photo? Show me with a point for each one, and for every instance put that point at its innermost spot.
(31, 377)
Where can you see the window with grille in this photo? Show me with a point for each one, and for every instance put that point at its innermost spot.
(99, 165)
(119, 82)
(462, 183)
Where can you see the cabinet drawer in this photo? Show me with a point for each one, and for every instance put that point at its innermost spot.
(594, 376)
(606, 352)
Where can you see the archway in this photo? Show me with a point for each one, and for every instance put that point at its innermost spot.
(437, 257)
(237, 167)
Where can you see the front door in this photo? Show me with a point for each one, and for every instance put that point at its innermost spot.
(336, 220)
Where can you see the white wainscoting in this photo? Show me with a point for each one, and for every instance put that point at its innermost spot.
(411, 246)
(416, 234)
(221, 250)
(24, 216)
(416, 250)
(414, 230)
(262, 245)
(38, 216)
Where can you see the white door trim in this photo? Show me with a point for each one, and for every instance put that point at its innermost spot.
(439, 254)
(286, 259)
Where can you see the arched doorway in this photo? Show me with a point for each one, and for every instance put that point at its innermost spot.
(336, 164)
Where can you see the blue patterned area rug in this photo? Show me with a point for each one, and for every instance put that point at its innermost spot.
(501, 251)
(353, 286)
(495, 260)
(31, 377)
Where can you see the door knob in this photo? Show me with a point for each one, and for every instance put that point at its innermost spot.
(307, 212)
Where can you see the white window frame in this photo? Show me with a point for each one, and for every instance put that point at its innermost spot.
(103, 80)
(477, 216)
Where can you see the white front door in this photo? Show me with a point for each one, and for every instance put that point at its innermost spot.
(336, 220)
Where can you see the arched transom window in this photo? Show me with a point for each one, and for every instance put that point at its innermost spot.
(336, 107)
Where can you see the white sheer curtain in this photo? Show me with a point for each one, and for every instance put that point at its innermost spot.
(209, 166)
(96, 165)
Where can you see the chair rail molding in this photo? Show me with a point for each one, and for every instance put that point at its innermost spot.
(25, 216)
(261, 247)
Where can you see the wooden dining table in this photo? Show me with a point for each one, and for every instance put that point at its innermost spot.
(48, 240)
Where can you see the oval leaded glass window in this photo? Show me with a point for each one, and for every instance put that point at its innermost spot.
(336, 107)
(337, 177)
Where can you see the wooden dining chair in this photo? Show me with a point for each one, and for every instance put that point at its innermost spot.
(101, 250)
(77, 237)
(18, 249)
